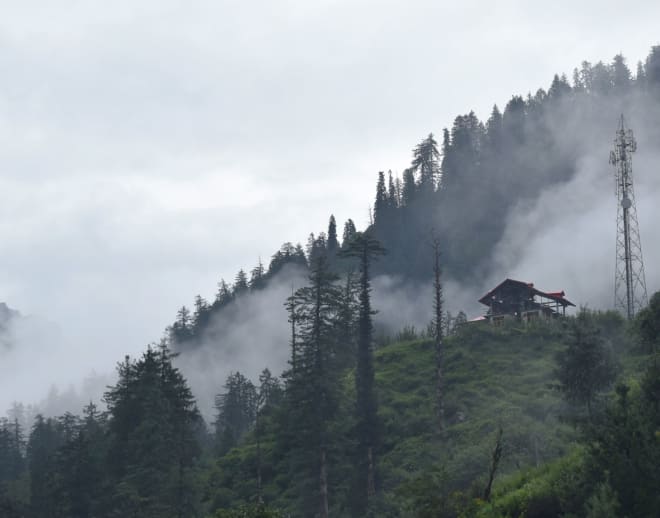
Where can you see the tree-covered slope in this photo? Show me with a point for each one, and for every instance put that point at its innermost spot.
(495, 377)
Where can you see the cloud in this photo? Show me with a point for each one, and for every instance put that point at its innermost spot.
(565, 238)
(148, 149)
(250, 334)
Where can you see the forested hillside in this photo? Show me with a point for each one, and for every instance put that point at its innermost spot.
(551, 418)
(463, 185)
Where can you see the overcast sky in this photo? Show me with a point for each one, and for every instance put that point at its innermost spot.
(149, 148)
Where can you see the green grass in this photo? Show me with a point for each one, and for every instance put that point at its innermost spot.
(494, 377)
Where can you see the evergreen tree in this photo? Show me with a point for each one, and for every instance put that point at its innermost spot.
(652, 69)
(240, 283)
(347, 322)
(624, 450)
(201, 315)
(182, 329)
(153, 428)
(287, 254)
(392, 194)
(409, 189)
(640, 75)
(333, 243)
(349, 233)
(494, 130)
(258, 276)
(438, 335)
(647, 324)
(380, 205)
(559, 87)
(586, 367)
(313, 385)
(269, 394)
(365, 248)
(426, 163)
(621, 76)
(42, 446)
(223, 296)
(236, 409)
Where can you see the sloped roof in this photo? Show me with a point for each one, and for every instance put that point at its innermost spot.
(557, 296)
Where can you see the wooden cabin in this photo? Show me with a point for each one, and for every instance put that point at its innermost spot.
(522, 301)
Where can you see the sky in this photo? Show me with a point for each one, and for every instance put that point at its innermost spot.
(148, 149)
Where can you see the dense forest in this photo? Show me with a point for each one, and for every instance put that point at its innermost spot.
(555, 418)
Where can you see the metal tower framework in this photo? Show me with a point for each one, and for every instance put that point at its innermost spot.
(629, 282)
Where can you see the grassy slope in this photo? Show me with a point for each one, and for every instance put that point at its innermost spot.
(494, 377)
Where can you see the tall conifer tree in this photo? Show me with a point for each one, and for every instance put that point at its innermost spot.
(365, 248)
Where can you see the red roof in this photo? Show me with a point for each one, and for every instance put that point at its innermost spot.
(557, 296)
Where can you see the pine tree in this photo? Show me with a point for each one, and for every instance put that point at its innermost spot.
(182, 329)
(494, 130)
(652, 69)
(349, 233)
(313, 386)
(153, 426)
(365, 248)
(333, 243)
(409, 189)
(640, 75)
(586, 367)
(426, 163)
(392, 194)
(621, 76)
(223, 296)
(201, 315)
(559, 87)
(240, 283)
(236, 409)
(438, 335)
(42, 445)
(258, 276)
(268, 394)
(380, 205)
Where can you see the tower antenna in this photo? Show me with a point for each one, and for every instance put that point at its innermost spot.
(629, 281)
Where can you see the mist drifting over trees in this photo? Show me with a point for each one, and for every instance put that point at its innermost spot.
(310, 385)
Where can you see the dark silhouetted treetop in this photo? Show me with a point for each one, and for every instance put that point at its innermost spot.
(333, 242)
(287, 254)
(224, 295)
(426, 164)
(409, 189)
(621, 76)
(493, 130)
(240, 283)
(236, 411)
(380, 204)
(201, 315)
(392, 193)
(349, 233)
(586, 367)
(258, 276)
(559, 87)
(652, 69)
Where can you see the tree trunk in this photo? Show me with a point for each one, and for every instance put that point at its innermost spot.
(371, 478)
(437, 306)
(260, 498)
(323, 485)
(495, 461)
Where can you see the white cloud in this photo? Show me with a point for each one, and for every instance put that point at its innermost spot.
(148, 149)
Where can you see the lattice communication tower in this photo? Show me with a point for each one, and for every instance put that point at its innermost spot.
(629, 282)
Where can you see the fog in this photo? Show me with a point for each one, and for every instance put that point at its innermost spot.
(249, 335)
(566, 237)
(149, 150)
